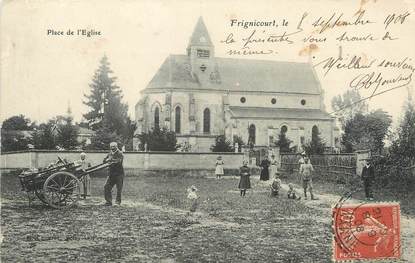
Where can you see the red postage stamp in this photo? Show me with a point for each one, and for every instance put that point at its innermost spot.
(366, 231)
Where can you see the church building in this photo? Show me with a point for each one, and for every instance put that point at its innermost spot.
(200, 96)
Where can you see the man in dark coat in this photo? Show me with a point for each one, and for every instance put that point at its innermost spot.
(368, 176)
(265, 169)
(116, 174)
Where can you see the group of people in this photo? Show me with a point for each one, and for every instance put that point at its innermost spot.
(305, 170)
(116, 177)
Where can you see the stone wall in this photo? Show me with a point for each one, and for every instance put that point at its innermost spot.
(132, 160)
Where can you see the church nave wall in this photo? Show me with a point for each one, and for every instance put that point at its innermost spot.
(281, 100)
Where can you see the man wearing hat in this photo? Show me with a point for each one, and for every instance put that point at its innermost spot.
(116, 174)
(368, 176)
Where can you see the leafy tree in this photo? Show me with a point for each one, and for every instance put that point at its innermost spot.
(316, 145)
(403, 147)
(102, 139)
(44, 136)
(283, 142)
(368, 131)
(14, 141)
(348, 105)
(106, 106)
(378, 123)
(158, 140)
(67, 133)
(12, 133)
(222, 145)
(17, 123)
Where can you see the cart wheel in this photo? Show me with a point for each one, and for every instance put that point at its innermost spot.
(40, 194)
(61, 190)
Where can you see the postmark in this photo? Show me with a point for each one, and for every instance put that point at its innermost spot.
(366, 231)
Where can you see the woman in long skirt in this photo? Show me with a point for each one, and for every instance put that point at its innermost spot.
(264, 172)
(244, 181)
(219, 167)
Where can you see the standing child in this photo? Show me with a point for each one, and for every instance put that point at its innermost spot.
(86, 179)
(244, 181)
(292, 194)
(306, 172)
(276, 186)
(274, 164)
(219, 167)
(193, 198)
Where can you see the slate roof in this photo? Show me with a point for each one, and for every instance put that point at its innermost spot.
(200, 31)
(238, 75)
(275, 113)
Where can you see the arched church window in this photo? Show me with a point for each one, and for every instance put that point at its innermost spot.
(157, 118)
(251, 132)
(314, 133)
(177, 119)
(206, 121)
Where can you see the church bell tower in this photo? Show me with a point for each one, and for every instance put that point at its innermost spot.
(201, 53)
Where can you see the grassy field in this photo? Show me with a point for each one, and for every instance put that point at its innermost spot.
(153, 225)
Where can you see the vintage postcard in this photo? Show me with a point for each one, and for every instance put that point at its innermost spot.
(207, 131)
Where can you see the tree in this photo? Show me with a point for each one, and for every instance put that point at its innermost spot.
(366, 132)
(222, 145)
(283, 142)
(14, 133)
(348, 105)
(403, 147)
(67, 133)
(107, 111)
(14, 141)
(158, 140)
(378, 123)
(44, 136)
(102, 139)
(17, 123)
(316, 145)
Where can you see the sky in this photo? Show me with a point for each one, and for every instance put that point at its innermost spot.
(42, 74)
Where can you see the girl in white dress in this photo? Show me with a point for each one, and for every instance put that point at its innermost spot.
(219, 167)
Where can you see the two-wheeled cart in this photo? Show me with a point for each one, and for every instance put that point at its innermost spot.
(57, 185)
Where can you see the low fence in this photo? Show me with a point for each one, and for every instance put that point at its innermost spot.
(331, 166)
(200, 163)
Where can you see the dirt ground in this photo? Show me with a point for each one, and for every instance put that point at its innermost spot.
(153, 225)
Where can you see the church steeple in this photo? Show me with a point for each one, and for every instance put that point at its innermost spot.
(200, 36)
(201, 52)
